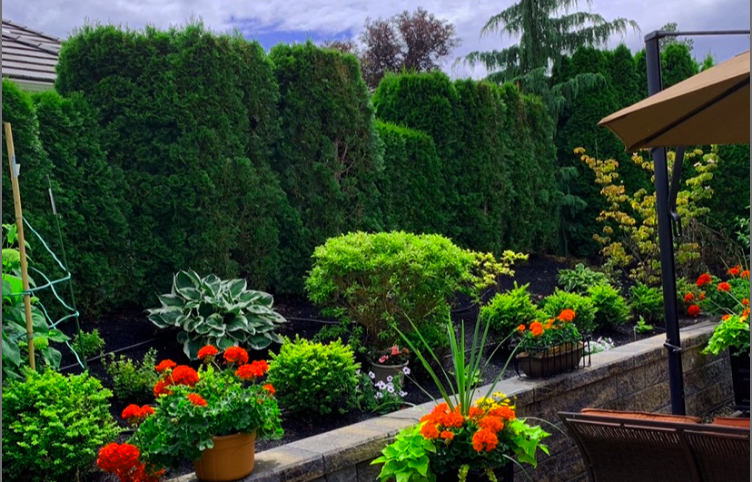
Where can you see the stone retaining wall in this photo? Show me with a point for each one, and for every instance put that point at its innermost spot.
(629, 377)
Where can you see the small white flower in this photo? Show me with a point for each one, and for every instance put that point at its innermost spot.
(390, 389)
(403, 394)
(381, 385)
(379, 395)
(406, 370)
(389, 378)
(372, 375)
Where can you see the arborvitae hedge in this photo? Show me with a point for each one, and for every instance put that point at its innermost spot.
(328, 156)
(90, 201)
(730, 186)
(411, 185)
(498, 171)
(177, 113)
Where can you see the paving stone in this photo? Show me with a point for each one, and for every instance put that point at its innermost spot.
(344, 447)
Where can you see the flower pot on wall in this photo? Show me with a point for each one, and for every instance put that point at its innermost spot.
(740, 378)
(232, 458)
(383, 372)
(551, 361)
(503, 474)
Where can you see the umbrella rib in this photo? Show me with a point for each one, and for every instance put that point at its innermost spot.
(693, 113)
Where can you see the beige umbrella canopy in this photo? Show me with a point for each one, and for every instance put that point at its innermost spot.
(711, 107)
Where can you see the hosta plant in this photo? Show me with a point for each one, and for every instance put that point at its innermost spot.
(223, 313)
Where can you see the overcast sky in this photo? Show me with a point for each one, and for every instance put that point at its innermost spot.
(274, 21)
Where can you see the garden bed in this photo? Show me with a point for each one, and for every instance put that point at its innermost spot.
(133, 334)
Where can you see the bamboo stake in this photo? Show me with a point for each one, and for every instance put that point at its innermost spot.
(21, 240)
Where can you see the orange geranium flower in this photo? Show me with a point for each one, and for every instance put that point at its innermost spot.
(494, 424)
(454, 420)
(484, 439)
(745, 302)
(689, 298)
(745, 313)
(506, 413)
(521, 328)
(269, 388)
(235, 354)
(745, 274)
(704, 279)
(184, 375)
(165, 365)
(197, 399)
(735, 270)
(693, 311)
(723, 286)
(725, 317)
(536, 328)
(207, 351)
(475, 412)
(567, 315)
(702, 296)
(429, 431)
(548, 324)
(447, 435)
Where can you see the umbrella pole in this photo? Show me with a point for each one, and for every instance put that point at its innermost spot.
(665, 242)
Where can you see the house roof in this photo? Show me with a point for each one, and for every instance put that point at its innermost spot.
(29, 55)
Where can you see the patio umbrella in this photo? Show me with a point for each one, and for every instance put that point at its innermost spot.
(711, 107)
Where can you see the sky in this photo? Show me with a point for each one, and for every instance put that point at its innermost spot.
(274, 21)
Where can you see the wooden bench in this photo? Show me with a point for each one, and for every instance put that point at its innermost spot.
(635, 447)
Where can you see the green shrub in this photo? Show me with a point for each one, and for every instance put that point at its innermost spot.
(583, 307)
(314, 378)
(88, 344)
(647, 302)
(611, 309)
(222, 313)
(53, 426)
(580, 279)
(382, 281)
(506, 311)
(133, 381)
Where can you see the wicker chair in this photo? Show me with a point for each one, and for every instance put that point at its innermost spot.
(620, 449)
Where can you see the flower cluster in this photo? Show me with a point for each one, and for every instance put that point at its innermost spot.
(124, 461)
(720, 296)
(193, 407)
(393, 356)
(555, 331)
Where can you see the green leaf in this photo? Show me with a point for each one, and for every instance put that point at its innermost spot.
(170, 300)
(236, 287)
(185, 279)
(57, 336)
(11, 351)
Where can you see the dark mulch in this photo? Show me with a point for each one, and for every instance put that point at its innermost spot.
(132, 334)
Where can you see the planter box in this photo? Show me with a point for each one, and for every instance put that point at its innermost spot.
(550, 361)
(740, 379)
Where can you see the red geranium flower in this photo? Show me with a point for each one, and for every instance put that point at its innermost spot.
(165, 365)
(235, 354)
(693, 311)
(689, 297)
(184, 375)
(735, 270)
(160, 388)
(745, 274)
(704, 279)
(724, 287)
(207, 351)
(132, 411)
(197, 399)
(269, 388)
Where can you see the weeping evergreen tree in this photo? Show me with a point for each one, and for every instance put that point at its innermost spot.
(544, 37)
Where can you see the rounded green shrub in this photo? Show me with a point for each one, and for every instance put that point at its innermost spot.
(53, 426)
(385, 281)
(583, 307)
(611, 307)
(506, 311)
(580, 279)
(314, 377)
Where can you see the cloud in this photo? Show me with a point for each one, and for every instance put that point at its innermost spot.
(274, 21)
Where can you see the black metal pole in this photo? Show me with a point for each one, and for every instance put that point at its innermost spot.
(665, 241)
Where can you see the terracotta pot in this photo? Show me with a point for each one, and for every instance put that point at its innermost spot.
(503, 474)
(232, 458)
(550, 362)
(382, 372)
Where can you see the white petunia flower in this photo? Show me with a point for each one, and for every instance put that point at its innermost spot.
(379, 395)
(372, 375)
(389, 378)
(406, 370)
(390, 389)
(403, 394)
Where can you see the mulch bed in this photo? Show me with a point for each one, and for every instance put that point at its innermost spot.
(124, 330)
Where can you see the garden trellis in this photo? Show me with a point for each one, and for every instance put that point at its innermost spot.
(27, 291)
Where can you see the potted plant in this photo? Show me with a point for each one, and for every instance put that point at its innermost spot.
(211, 416)
(732, 332)
(462, 439)
(549, 348)
(390, 364)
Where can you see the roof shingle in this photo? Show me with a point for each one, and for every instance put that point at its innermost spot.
(29, 54)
